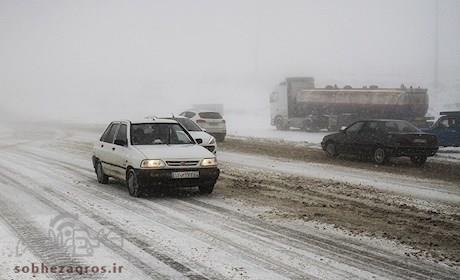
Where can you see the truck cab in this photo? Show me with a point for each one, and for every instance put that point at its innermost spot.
(447, 129)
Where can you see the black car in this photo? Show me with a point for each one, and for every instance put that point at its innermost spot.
(382, 139)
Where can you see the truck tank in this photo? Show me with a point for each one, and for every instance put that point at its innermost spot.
(395, 103)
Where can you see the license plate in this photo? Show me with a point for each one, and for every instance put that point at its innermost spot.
(185, 174)
(420, 141)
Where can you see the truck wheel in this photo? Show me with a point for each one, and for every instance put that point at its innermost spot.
(101, 177)
(279, 123)
(418, 160)
(331, 149)
(380, 156)
(134, 188)
(206, 188)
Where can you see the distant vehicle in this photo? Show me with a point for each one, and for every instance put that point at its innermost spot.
(153, 153)
(212, 122)
(447, 129)
(382, 139)
(297, 103)
(209, 142)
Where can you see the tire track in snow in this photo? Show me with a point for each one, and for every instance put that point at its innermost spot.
(350, 255)
(135, 261)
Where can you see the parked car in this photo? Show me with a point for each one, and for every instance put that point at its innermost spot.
(382, 139)
(447, 129)
(212, 122)
(209, 142)
(153, 153)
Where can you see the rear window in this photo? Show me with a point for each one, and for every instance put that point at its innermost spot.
(210, 115)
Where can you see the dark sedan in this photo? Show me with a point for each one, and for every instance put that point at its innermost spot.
(382, 139)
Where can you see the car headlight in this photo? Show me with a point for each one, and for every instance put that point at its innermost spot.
(212, 140)
(152, 163)
(209, 162)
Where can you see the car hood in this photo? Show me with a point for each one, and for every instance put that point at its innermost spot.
(174, 151)
(201, 134)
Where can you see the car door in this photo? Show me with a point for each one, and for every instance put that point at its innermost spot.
(447, 130)
(106, 148)
(351, 137)
(368, 137)
(119, 152)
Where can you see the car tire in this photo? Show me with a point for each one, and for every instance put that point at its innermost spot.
(331, 149)
(134, 188)
(101, 177)
(418, 160)
(380, 155)
(206, 188)
(279, 123)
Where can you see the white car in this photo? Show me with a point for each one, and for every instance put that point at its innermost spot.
(209, 142)
(212, 122)
(153, 154)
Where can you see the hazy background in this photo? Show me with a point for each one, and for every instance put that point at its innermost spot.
(99, 60)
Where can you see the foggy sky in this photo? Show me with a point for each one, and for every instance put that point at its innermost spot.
(97, 60)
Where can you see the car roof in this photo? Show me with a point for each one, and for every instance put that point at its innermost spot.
(148, 120)
(382, 120)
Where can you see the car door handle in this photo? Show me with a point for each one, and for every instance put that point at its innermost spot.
(102, 145)
(113, 149)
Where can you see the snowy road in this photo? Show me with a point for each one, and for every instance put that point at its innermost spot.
(48, 185)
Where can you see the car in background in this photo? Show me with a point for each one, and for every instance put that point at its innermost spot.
(153, 154)
(208, 141)
(212, 122)
(382, 139)
(447, 129)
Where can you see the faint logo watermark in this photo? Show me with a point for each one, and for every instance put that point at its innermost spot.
(77, 239)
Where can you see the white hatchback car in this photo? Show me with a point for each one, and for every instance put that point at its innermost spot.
(212, 122)
(209, 142)
(151, 154)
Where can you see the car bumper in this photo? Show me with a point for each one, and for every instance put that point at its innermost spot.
(163, 177)
(414, 151)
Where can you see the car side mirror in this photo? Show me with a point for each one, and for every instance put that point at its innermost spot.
(204, 130)
(120, 142)
(343, 128)
(199, 141)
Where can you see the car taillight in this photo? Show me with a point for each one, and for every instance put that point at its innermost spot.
(200, 121)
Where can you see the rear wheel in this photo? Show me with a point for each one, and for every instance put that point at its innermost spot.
(379, 155)
(101, 177)
(280, 125)
(132, 183)
(206, 188)
(418, 160)
(331, 149)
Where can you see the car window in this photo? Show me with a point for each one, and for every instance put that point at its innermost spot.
(448, 122)
(400, 126)
(188, 124)
(355, 127)
(122, 131)
(159, 134)
(210, 115)
(370, 127)
(106, 131)
(110, 134)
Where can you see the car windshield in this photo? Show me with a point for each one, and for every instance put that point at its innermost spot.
(400, 126)
(210, 115)
(188, 124)
(159, 134)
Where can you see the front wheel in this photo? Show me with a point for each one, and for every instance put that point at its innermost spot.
(132, 183)
(418, 160)
(101, 177)
(380, 156)
(331, 150)
(206, 188)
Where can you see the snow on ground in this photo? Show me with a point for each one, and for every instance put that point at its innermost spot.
(414, 187)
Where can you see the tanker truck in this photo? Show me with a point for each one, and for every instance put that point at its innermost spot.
(296, 103)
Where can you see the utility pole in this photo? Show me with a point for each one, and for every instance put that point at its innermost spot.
(436, 48)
